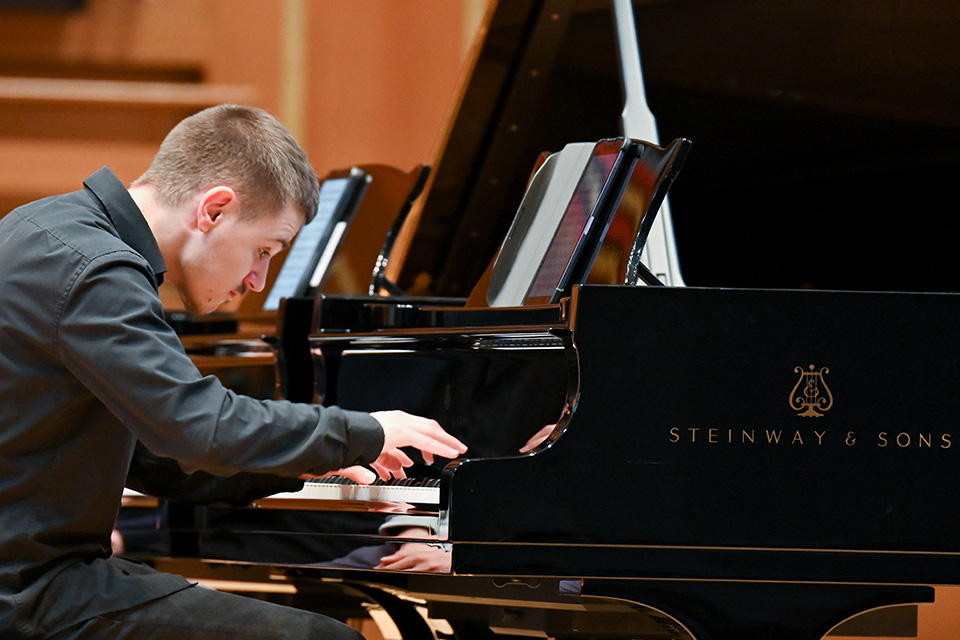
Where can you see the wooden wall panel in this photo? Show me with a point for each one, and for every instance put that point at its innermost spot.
(104, 84)
(374, 82)
(106, 37)
(382, 78)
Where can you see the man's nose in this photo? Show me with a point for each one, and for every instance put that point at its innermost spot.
(257, 278)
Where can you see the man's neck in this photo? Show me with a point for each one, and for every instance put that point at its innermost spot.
(169, 227)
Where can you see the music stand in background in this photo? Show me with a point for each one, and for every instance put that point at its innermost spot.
(561, 236)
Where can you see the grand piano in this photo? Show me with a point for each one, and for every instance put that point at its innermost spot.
(766, 452)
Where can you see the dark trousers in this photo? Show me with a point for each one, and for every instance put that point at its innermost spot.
(199, 613)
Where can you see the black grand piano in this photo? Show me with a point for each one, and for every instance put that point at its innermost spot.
(764, 461)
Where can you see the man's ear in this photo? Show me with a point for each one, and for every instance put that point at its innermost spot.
(214, 202)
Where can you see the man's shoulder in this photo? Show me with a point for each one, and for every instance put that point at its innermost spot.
(49, 213)
(58, 243)
(73, 219)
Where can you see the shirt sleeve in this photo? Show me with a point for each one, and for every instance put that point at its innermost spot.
(112, 336)
(163, 478)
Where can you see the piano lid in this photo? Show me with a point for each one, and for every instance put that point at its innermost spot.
(827, 135)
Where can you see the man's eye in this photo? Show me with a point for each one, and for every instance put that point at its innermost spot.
(264, 253)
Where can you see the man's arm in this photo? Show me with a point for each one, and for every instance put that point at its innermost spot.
(164, 478)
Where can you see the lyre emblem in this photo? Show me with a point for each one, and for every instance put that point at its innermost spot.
(811, 396)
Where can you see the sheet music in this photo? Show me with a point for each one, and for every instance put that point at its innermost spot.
(304, 247)
(537, 219)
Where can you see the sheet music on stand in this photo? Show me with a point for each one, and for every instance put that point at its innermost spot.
(561, 222)
(315, 246)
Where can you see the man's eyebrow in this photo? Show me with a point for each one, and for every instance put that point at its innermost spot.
(283, 242)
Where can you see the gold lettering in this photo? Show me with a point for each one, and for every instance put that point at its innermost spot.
(774, 436)
(905, 439)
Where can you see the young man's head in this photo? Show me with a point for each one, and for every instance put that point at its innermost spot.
(228, 189)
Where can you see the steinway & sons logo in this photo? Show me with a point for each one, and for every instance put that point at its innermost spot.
(811, 396)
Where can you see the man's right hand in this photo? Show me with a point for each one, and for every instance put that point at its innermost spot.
(401, 429)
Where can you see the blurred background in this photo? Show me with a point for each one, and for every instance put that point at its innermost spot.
(85, 83)
(826, 134)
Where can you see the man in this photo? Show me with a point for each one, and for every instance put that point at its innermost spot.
(90, 373)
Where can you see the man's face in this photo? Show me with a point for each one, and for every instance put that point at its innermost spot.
(232, 256)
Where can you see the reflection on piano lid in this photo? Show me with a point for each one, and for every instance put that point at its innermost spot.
(336, 493)
(133, 498)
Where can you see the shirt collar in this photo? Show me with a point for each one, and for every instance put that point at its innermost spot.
(126, 217)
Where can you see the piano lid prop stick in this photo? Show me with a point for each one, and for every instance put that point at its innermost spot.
(639, 123)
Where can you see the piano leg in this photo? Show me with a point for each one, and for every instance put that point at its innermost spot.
(410, 623)
(759, 610)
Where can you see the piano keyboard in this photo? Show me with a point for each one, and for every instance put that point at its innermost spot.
(396, 495)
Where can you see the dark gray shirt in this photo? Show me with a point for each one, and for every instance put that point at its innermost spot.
(88, 367)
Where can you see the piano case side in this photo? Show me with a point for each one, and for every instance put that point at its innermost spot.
(783, 425)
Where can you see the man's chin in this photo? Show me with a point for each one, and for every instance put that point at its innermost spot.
(198, 309)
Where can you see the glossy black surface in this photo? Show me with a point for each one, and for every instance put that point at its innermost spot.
(826, 136)
(687, 431)
(688, 476)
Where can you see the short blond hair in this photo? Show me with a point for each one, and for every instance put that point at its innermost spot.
(242, 147)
